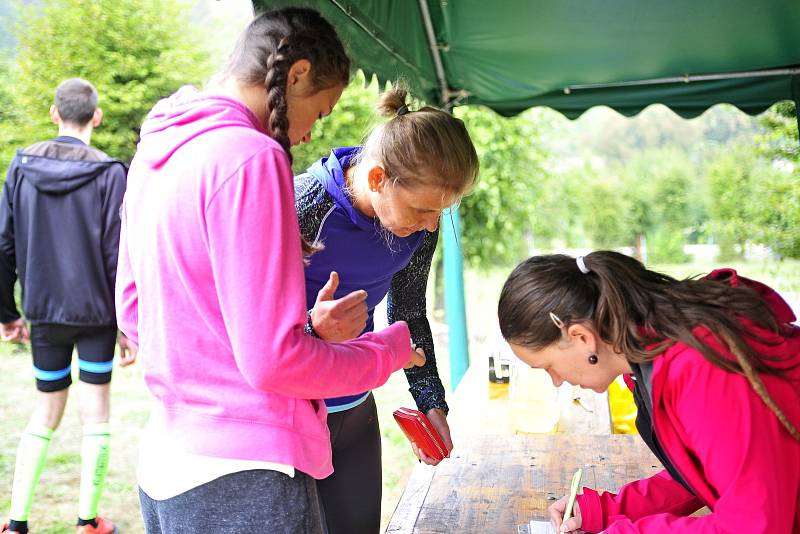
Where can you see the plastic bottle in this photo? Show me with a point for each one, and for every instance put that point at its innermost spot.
(533, 400)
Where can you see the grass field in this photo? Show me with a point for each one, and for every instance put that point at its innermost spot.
(55, 504)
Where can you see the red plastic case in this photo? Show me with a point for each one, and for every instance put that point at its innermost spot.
(418, 428)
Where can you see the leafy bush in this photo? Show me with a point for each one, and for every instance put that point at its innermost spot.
(134, 51)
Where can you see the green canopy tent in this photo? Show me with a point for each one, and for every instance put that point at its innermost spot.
(571, 55)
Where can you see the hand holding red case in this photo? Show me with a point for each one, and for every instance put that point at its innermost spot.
(418, 428)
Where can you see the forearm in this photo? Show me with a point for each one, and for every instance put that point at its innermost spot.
(407, 303)
(250, 217)
(424, 382)
(657, 494)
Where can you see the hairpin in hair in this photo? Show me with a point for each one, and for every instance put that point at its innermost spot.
(556, 321)
(402, 110)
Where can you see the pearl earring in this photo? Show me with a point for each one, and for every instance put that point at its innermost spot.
(593, 359)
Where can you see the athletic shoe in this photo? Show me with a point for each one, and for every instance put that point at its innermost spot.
(104, 526)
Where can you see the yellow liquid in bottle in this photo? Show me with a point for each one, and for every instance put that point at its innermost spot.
(533, 400)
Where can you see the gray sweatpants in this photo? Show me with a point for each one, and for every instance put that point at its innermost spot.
(245, 502)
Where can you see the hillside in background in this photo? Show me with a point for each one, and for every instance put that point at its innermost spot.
(604, 136)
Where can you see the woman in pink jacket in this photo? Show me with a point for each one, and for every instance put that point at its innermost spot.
(210, 284)
(715, 368)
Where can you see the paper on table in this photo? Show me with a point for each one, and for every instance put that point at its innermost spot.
(537, 527)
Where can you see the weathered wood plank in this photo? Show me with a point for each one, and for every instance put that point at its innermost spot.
(412, 500)
(492, 483)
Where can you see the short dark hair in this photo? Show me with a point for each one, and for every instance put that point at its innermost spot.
(76, 100)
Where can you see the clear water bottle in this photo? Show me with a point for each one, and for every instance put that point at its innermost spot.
(533, 400)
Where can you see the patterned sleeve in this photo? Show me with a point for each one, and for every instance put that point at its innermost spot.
(312, 204)
(406, 302)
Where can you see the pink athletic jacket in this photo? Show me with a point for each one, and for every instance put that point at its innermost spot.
(723, 440)
(210, 284)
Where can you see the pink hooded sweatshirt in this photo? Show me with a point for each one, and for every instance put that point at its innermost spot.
(725, 442)
(210, 285)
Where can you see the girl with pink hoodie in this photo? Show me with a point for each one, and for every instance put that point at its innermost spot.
(210, 285)
(714, 365)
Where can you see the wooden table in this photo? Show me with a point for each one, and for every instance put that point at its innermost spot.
(493, 483)
(497, 479)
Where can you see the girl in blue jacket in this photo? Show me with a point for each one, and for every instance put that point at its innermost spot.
(373, 212)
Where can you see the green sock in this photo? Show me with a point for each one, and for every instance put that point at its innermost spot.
(30, 461)
(94, 465)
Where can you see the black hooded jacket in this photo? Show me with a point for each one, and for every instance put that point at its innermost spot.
(59, 231)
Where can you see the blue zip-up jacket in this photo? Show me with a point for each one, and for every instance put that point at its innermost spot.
(355, 246)
(59, 231)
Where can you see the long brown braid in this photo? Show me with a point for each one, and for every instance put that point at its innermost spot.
(278, 65)
(267, 49)
(632, 308)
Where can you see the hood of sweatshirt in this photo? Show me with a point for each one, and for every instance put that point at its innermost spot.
(782, 348)
(176, 120)
(61, 165)
(783, 312)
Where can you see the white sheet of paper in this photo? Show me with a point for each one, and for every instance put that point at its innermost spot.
(542, 527)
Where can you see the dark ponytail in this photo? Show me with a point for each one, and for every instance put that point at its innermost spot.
(632, 308)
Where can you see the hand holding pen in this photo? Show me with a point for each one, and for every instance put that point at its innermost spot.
(565, 514)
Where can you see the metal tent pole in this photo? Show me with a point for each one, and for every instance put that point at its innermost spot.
(688, 78)
(455, 309)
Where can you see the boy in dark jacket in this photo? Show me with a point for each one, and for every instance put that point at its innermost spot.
(59, 233)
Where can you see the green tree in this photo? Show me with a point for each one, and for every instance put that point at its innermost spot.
(648, 199)
(349, 123)
(775, 208)
(777, 195)
(781, 139)
(730, 179)
(10, 137)
(134, 51)
(604, 207)
(638, 196)
(555, 210)
(659, 188)
(500, 214)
